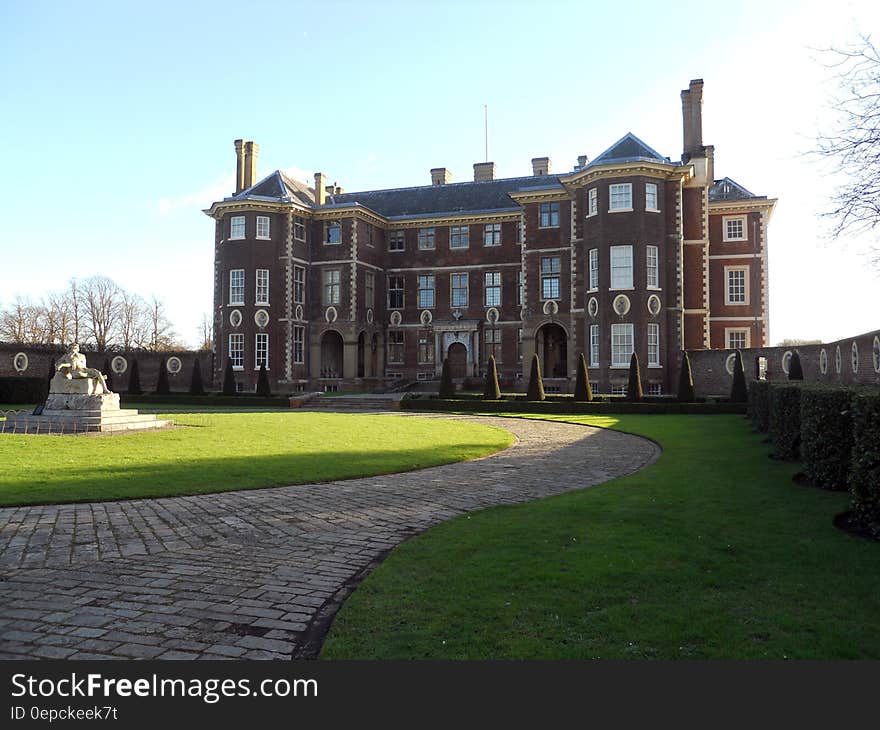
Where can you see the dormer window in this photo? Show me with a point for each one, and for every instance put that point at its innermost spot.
(333, 233)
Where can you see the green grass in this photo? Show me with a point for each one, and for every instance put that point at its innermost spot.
(215, 452)
(710, 552)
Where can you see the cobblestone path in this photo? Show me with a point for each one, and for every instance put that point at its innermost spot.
(255, 574)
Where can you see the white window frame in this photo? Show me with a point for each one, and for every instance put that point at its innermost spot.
(461, 235)
(653, 336)
(299, 285)
(427, 240)
(235, 350)
(492, 286)
(492, 234)
(422, 295)
(742, 219)
(621, 274)
(594, 269)
(261, 343)
(622, 338)
(551, 216)
(729, 331)
(332, 226)
(263, 229)
(299, 229)
(236, 222)
(592, 202)
(620, 197)
(261, 295)
(648, 188)
(463, 286)
(594, 345)
(331, 289)
(728, 270)
(299, 345)
(236, 287)
(652, 267)
(395, 238)
(548, 275)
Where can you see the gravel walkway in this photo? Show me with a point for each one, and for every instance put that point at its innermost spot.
(255, 574)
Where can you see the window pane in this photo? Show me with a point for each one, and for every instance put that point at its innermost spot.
(621, 267)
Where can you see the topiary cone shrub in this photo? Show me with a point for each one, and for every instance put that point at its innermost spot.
(162, 386)
(263, 388)
(196, 387)
(785, 421)
(739, 392)
(108, 373)
(759, 405)
(491, 389)
(134, 379)
(536, 381)
(229, 379)
(827, 436)
(634, 384)
(864, 475)
(583, 391)
(686, 380)
(447, 387)
(795, 369)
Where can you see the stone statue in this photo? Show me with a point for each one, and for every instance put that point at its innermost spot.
(73, 367)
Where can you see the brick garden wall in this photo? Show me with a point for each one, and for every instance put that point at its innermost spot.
(711, 376)
(40, 358)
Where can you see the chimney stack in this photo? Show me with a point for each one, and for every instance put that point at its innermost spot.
(484, 171)
(440, 176)
(540, 166)
(582, 162)
(692, 119)
(251, 149)
(239, 166)
(320, 190)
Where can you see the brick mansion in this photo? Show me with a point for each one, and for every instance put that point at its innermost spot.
(628, 252)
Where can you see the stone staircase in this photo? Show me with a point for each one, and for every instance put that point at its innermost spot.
(81, 421)
(348, 403)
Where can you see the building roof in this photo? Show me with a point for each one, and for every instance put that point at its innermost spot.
(727, 190)
(462, 197)
(629, 148)
(278, 186)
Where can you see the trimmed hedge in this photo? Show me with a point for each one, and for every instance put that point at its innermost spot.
(17, 389)
(785, 421)
(827, 436)
(864, 476)
(759, 405)
(185, 399)
(570, 406)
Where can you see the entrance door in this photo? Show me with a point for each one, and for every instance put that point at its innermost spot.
(360, 367)
(457, 356)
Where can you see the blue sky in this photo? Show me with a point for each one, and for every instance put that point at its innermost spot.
(118, 119)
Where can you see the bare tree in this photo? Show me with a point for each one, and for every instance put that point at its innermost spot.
(101, 304)
(161, 335)
(206, 332)
(75, 307)
(60, 319)
(14, 321)
(853, 144)
(133, 321)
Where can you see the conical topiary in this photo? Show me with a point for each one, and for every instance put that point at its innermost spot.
(447, 387)
(263, 388)
(491, 389)
(195, 384)
(536, 382)
(134, 379)
(229, 379)
(686, 380)
(583, 391)
(795, 370)
(108, 373)
(634, 385)
(162, 385)
(739, 391)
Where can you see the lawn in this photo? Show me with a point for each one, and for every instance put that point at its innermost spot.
(712, 551)
(215, 452)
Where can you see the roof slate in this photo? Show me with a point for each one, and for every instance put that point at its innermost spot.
(628, 147)
(278, 186)
(728, 190)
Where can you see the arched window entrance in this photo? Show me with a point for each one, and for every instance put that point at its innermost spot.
(457, 356)
(331, 354)
(551, 344)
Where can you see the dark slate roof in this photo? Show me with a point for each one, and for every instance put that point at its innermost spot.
(727, 189)
(629, 148)
(278, 186)
(452, 198)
